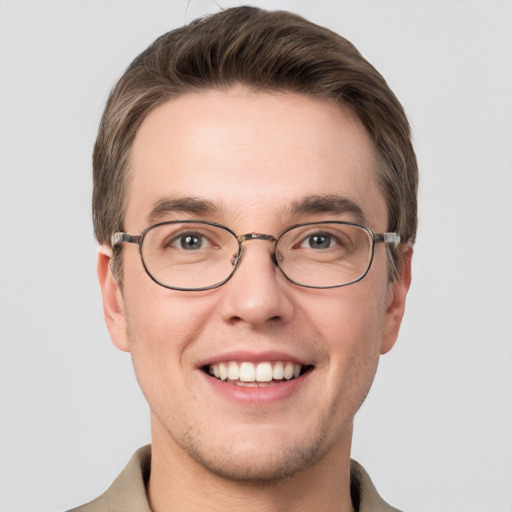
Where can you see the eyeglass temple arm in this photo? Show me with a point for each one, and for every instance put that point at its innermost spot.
(118, 238)
(387, 238)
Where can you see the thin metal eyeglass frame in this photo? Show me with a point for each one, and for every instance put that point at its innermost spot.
(117, 238)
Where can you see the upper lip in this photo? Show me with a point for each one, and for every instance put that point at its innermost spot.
(253, 357)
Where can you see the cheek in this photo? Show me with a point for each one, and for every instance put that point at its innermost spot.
(158, 316)
(161, 323)
(350, 324)
(161, 326)
(352, 316)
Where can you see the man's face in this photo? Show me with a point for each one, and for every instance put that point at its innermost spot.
(252, 156)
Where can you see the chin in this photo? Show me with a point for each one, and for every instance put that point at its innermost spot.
(254, 464)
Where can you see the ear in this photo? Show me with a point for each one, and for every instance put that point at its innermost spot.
(395, 303)
(113, 303)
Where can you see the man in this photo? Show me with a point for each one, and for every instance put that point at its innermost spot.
(255, 202)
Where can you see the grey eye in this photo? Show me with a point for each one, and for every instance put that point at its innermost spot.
(318, 241)
(190, 241)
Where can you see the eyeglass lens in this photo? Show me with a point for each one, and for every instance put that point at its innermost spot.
(199, 255)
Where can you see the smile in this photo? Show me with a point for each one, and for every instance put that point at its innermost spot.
(245, 373)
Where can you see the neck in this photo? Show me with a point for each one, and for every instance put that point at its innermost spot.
(178, 483)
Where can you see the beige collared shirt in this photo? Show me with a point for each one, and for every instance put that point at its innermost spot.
(128, 492)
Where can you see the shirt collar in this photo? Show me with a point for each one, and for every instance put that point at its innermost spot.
(128, 492)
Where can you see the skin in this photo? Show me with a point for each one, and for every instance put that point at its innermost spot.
(252, 155)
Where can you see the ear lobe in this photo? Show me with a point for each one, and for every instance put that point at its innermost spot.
(113, 303)
(395, 305)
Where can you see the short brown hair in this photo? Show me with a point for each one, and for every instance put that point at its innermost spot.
(263, 50)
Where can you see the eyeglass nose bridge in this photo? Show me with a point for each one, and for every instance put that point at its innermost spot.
(237, 258)
(256, 236)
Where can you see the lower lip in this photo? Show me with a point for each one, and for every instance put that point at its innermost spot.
(264, 395)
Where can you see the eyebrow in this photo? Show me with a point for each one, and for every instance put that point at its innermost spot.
(188, 205)
(336, 205)
(333, 204)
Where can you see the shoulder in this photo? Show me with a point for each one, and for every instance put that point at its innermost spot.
(128, 491)
(364, 494)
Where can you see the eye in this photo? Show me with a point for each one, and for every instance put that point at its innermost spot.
(319, 241)
(190, 241)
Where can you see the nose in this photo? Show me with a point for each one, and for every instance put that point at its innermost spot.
(258, 292)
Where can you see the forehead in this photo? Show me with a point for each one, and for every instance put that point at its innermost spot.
(250, 152)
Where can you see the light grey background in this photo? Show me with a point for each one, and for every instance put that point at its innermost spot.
(435, 432)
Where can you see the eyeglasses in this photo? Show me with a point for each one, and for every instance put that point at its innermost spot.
(196, 255)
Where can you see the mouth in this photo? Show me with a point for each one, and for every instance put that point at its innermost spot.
(261, 374)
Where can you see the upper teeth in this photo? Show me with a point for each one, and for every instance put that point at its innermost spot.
(255, 372)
